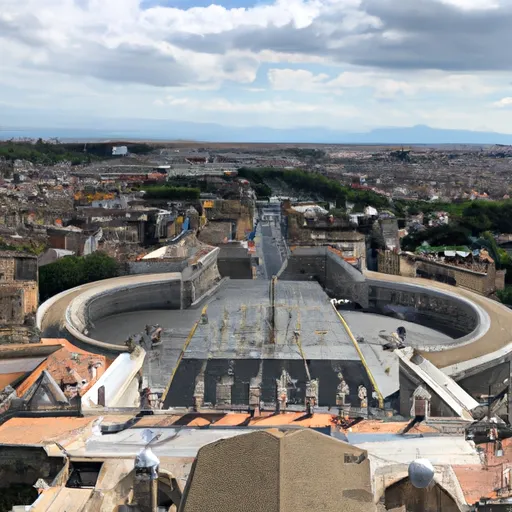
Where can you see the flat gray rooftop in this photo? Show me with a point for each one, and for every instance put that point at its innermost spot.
(239, 324)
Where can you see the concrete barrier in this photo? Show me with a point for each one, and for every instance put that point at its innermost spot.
(442, 310)
(121, 296)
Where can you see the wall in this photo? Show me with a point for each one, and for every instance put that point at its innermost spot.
(477, 385)
(235, 268)
(389, 230)
(19, 296)
(340, 279)
(441, 311)
(24, 465)
(404, 496)
(156, 295)
(306, 264)
(343, 281)
(199, 278)
(499, 280)
(408, 383)
(407, 266)
(485, 284)
(153, 267)
(388, 262)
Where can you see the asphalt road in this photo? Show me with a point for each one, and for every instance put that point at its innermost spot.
(271, 249)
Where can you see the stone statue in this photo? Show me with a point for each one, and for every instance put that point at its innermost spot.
(282, 389)
(342, 391)
(362, 394)
(311, 395)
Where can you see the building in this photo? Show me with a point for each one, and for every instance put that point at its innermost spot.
(276, 471)
(119, 151)
(19, 296)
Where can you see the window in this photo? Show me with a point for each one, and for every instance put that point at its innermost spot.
(83, 474)
(26, 269)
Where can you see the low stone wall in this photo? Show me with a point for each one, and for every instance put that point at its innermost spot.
(199, 278)
(445, 312)
(158, 295)
(305, 264)
(340, 279)
(343, 281)
(153, 266)
(483, 283)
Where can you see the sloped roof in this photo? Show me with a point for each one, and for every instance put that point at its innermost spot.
(272, 471)
(445, 387)
(63, 364)
(35, 431)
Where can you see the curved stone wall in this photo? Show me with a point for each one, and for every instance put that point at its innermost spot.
(446, 312)
(155, 295)
(120, 295)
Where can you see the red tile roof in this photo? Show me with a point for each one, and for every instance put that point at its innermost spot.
(66, 366)
(34, 431)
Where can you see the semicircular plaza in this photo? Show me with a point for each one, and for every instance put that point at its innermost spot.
(478, 327)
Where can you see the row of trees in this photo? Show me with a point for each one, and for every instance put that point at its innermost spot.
(72, 271)
(167, 191)
(315, 184)
(46, 153)
(475, 216)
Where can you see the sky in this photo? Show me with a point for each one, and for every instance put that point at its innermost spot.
(348, 65)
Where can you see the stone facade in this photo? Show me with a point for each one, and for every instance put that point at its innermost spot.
(409, 383)
(301, 232)
(240, 213)
(154, 266)
(388, 262)
(449, 315)
(19, 296)
(340, 279)
(482, 283)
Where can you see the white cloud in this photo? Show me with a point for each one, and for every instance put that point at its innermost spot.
(384, 85)
(504, 102)
(468, 5)
(116, 58)
(278, 106)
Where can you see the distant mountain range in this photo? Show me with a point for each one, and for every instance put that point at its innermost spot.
(147, 129)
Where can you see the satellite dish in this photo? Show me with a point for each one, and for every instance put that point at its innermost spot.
(421, 473)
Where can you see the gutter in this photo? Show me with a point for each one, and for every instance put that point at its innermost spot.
(361, 356)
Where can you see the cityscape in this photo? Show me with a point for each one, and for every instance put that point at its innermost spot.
(255, 256)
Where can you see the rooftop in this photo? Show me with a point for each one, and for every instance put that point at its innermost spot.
(238, 324)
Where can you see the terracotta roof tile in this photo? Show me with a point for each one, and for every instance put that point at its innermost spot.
(66, 366)
(478, 481)
(232, 419)
(198, 422)
(158, 421)
(299, 419)
(389, 427)
(35, 431)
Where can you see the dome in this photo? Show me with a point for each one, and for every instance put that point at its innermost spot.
(421, 473)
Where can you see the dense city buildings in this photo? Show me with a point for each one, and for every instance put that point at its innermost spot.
(205, 328)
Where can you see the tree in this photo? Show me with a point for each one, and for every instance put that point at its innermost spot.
(72, 271)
